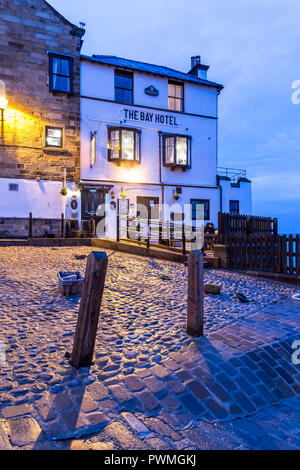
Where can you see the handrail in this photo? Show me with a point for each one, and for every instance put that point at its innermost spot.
(154, 230)
(233, 173)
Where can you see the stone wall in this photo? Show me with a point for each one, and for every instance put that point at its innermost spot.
(28, 30)
(19, 228)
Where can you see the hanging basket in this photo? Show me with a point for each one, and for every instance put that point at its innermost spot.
(64, 191)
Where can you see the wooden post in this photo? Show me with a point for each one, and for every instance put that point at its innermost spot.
(118, 227)
(195, 310)
(160, 232)
(148, 232)
(90, 303)
(30, 224)
(62, 226)
(183, 239)
(275, 227)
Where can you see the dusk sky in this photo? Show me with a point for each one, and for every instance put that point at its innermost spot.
(253, 48)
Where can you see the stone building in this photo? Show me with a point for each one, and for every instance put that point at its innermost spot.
(40, 115)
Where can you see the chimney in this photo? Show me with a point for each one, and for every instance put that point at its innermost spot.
(198, 70)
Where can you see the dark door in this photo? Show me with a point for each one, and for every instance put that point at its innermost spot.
(91, 202)
(148, 207)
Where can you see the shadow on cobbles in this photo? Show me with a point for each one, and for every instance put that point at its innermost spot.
(61, 415)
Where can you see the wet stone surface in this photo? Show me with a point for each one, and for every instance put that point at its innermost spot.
(145, 363)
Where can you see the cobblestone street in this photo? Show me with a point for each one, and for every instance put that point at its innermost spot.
(151, 385)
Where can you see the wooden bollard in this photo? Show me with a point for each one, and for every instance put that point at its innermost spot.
(195, 310)
(30, 225)
(90, 303)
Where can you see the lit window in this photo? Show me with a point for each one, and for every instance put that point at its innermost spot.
(176, 150)
(124, 145)
(53, 136)
(123, 87)
(60, 73)
(93, 148)
(176, 97)
(203, 209)
(169, 150)
(114, 144)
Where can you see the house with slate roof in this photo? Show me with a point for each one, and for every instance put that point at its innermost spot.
(149, 145)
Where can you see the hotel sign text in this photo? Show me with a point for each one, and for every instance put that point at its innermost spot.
(156, 118)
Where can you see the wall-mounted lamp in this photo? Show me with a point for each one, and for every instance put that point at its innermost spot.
(3, 103)
(3, 100)
(3, 106)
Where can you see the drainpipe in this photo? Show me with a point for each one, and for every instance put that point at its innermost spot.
(160, 177)
(221, 193)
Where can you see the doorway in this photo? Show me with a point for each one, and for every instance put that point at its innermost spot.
(148, 207)
(93, 208)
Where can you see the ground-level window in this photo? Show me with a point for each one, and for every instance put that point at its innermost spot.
(199, 206)
(124, 144)
(234, 207)
(54, 136)
(176, 151)
(13, 187)
(60, 73)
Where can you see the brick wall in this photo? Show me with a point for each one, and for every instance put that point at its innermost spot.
(28, 29)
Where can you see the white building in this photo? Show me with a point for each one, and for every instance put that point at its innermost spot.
(150, 134)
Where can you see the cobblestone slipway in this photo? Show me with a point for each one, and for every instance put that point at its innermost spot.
(151, 386)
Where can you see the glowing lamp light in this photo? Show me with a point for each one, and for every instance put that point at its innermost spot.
(3, 103)
(123, 194)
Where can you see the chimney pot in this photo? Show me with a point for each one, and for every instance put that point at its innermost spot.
(195, 60)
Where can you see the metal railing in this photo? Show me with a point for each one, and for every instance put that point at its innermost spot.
(152, 231)
(233, 173)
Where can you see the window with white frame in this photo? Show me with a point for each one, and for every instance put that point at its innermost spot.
(176, 96)
(54, 137)
(177, 151)
(124, 145)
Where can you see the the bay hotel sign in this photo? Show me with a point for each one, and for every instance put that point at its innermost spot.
(150, 117)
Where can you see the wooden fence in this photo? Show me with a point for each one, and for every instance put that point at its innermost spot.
(271, 253)
(241, 225)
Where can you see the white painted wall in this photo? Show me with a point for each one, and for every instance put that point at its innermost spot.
(41, 198)
(98, 115)
(242, 194)
(182, 205)
(97, 81)
(196, 193)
